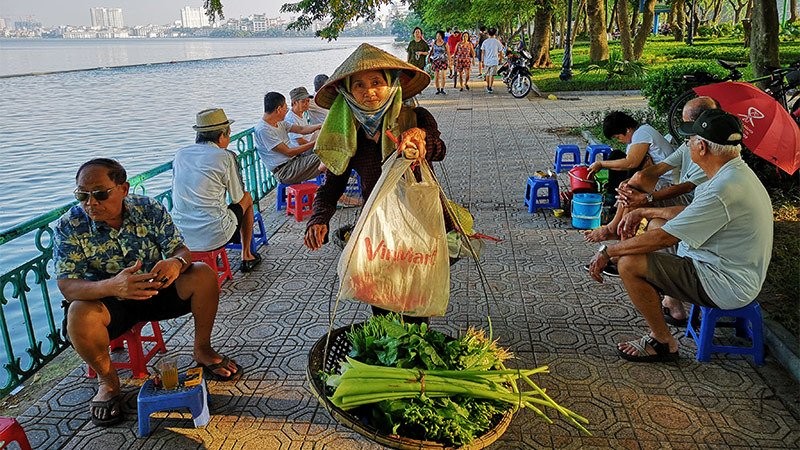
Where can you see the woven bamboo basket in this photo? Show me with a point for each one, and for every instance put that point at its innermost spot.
(338, 348)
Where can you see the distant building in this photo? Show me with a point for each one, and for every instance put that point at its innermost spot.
(106, 17)
(3, 23)
(27, 25)
(193, 17)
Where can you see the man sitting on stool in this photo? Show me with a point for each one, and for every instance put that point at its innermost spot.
(724, 240)
(120, 260)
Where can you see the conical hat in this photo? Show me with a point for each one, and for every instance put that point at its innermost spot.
(367, 57)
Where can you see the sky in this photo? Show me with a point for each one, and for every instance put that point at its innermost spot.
(134, 12)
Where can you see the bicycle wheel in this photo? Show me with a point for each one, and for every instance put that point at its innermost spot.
(794, 111)
(520, 86)
(675, 117)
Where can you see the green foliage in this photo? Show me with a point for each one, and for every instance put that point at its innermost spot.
(617, 67)
(663, 86)
(790, 31)
(711, 51)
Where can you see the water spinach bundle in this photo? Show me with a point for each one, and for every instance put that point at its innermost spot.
(408, 380)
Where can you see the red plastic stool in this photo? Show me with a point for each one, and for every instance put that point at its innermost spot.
(299, 199)
(137, 358)
(11, 431)
(217, 259)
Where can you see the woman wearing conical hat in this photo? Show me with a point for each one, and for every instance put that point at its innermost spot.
(365, 98)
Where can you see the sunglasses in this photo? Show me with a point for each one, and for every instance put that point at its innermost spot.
(99, 195)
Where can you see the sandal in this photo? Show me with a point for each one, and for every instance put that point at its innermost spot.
(250, 264)
(662, 353)
(671, 320)
(210, 371)
(106, 413)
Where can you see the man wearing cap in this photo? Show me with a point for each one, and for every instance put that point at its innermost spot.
(119, 260)
(290, 165)
(297, 115)
(317, 114)
(204, 175)
(724, 239)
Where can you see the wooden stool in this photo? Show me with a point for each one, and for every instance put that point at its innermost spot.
(299, 200)
(137, 358)
(217, 259)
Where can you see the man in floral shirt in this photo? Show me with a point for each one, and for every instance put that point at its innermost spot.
(120, 260)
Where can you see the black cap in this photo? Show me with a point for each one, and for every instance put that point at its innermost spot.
(320, 81)
(716, 126)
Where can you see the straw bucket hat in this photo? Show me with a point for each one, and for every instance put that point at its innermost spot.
(212, 119)
(366, 57)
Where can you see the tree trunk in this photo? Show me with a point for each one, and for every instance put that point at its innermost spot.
(764, 38)
(613, 18)
(634, 17)
(717, 11)
(624, 30)
(580, 21)
(678, 23)
(644, 29)
(541, 35)
(792, 10)
(598, 39)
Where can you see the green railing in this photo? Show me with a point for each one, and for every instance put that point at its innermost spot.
(27, 287)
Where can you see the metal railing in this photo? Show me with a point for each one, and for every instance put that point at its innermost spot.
(27, 287)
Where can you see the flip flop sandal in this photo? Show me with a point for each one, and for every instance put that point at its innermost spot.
(106, 413)
(662, 351)
(671, 320)
(209, 371)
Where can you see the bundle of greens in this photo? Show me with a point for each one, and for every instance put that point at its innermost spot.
(408, 380)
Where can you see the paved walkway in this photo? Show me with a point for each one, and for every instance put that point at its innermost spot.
(547, 311)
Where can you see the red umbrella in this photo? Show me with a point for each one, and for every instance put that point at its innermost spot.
(769, 130)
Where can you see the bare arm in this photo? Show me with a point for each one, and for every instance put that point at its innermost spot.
(647, 242)
(126, 284)
(636, 154)
(284, 149)
(304, 129)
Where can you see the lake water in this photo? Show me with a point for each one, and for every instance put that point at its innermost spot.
(139, 115)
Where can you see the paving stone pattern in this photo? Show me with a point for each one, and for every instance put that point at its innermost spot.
(543, 306)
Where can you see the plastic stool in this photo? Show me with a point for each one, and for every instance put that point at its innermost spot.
(748, 323)
(280, 198)
(532, 198)
(137, 358)
(592, 150)
(353, 188)
(259, 237)
(563, 150)
(299, 199)
(217, 259)
(11, 431)
(152, 399)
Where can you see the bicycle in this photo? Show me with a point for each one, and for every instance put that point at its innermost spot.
(782, 85)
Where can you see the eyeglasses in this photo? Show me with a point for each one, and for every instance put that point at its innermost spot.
(99, 195)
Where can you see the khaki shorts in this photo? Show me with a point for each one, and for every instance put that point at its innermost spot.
(677, 277)
(489, 71)
(301, 168)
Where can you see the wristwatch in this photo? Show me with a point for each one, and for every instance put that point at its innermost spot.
(603, 250)
(182, 260)
(649, 198)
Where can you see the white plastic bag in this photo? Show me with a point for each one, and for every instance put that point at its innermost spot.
(397, 257)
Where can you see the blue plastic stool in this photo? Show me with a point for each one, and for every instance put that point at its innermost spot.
(353, 188)
(748, 323)
(259, 237)
(152, 399)
(592, 150)
(280, 199)
(563, 150)
(535, 201)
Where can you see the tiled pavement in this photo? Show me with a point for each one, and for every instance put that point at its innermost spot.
(545, 308)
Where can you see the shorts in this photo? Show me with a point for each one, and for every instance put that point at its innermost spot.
(490, 71)
(478, 53)
(237, 235)
(127, 313)
(677, 277)
(301, 168)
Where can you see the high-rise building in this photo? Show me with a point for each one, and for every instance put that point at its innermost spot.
(193, 17)
(106, 17)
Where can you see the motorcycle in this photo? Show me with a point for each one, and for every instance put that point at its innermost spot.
(517, 74)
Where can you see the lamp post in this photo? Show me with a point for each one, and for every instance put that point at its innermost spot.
(566, 66)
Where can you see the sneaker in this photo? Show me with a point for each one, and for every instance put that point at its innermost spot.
(488, 91)
(443, 92)
(438, 92)
(461, 90)
(491, 90)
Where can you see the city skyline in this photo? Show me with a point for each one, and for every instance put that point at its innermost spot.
(136, 12)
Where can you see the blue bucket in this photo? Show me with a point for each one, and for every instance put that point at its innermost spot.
(586, 211)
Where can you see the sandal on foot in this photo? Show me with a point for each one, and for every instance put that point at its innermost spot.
(671, 320)
(250, 264)
(106, 413)
(210, 371)
(662, 353)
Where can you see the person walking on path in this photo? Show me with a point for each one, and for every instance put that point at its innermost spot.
(440, 60)
(491, 54)
(417, 50)
(464, 54)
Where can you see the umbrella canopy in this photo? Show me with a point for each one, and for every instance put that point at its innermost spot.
(769, 130)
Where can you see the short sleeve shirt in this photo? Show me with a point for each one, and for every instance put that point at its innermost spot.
(267, 138)
(727, 232)
(688, 171)
(204, 177)
(291, 119)
(490, 52)
(93, 251)
(659, 148)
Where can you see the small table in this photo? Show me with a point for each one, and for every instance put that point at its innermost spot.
(152, 399)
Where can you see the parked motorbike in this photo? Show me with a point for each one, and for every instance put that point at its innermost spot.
(516, 73)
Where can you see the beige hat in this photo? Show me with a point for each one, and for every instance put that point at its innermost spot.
(366, 57)
(212, 119)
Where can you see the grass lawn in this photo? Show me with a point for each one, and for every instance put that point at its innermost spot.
(780, 296)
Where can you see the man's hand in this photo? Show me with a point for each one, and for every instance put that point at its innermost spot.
(596, 266)
(629, 224)
(412, 144)
(315, 236)
(595, 167)
(630, 197)
(131, 286)
(167, 271)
